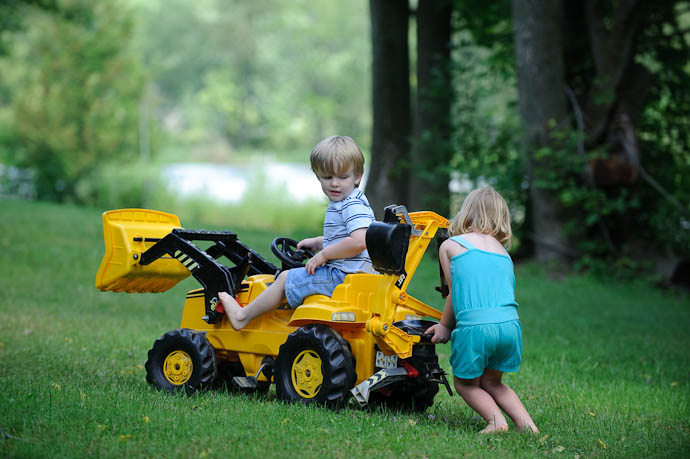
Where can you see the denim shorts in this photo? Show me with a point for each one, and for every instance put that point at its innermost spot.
(299, 284)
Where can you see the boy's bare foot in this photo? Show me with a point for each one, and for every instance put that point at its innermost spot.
(493, 428)
(234, 311)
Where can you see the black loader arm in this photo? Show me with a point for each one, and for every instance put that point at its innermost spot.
(213, 276)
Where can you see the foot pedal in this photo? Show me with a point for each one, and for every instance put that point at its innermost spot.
(245, 382)
(251, 382)
(379, 379)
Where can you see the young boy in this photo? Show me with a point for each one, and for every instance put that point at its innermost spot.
(338, 163)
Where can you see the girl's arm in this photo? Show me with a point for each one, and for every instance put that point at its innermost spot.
(441, 331)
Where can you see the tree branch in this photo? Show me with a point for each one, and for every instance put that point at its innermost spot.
(589, 175)
(597, 31)
(613, 53)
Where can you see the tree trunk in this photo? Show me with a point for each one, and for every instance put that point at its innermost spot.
(540, 72)
(619, 85)
(390, 149)
(429, 174)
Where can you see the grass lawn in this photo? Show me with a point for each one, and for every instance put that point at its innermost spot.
(606, 368)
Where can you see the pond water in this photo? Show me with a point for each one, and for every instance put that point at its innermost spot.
(227, 183)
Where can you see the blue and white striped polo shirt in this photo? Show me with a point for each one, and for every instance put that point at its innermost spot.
(342, 218)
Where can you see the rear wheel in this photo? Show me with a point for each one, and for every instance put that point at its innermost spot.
(416, 394)
(315, 365)
(181, 359)
(414, 398)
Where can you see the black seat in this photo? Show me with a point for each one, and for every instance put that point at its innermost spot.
(387, 244)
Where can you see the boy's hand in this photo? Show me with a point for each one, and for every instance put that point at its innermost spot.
(312, 243)
(314, 262)
(440, 333)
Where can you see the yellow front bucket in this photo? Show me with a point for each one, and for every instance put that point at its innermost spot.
(128, 233)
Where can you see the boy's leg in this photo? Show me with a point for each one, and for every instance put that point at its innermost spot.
(269, 299)
(507, 399)
(481, 402)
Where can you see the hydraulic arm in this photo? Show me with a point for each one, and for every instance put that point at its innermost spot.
(213, 276)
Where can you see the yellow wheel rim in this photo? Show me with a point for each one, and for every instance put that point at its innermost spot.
(307, 376)
(178, 367)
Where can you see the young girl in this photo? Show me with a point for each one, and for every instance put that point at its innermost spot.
(480, 316)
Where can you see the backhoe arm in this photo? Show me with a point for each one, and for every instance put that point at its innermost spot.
(396, 250)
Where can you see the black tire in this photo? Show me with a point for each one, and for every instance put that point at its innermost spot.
(409, 398)
(181, 359)
(229, 369)
(415, 395)
(315, 366)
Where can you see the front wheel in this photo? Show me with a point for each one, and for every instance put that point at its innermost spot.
(181, 359)
(315, 366)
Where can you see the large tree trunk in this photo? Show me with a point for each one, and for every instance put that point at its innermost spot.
(387, 180)
(541, 85)
(429, 174)
(613, 103)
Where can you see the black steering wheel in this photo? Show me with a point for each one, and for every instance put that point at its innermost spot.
(282, 247)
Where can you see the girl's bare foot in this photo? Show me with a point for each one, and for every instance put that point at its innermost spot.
(529, 428)
(234, 311)
(493, 428)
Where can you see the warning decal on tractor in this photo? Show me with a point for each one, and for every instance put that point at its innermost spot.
(386, 361)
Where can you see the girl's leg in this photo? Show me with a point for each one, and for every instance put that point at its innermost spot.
(481, 402)
(269, 299)
(507, 399)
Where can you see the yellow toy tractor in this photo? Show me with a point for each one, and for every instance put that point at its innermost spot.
(366, 340)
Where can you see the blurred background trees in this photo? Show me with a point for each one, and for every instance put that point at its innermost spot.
(72, 88)
(576, 111)
(578, 156)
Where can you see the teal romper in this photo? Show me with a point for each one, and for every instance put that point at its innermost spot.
(488, 332)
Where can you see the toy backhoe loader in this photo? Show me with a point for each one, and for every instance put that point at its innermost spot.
(366, 340)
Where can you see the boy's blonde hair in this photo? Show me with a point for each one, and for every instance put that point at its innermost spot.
(336, 155)
(484, 211)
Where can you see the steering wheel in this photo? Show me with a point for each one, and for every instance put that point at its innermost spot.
(282, 247)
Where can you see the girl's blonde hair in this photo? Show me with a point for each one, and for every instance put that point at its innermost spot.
(484, 211)
(335, 155)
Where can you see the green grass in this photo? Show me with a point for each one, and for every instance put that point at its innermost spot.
(605, 370)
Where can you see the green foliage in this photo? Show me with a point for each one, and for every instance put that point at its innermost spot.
(220, 79)
(664, 132)
(139, 184)
(263, 74)
(112, 186)
(74, 93)
(604, 374)
(609, 224)
(490, 25)
(12, 18)
(486, 127)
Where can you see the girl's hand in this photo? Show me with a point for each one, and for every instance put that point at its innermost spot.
(314, 262)
(440, 333)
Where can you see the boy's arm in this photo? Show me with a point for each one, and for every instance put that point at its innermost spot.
(312, 243)
(347, 247)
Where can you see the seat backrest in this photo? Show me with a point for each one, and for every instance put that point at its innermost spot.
(387, 245)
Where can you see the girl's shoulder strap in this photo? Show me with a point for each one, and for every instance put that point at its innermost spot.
(462, 242)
